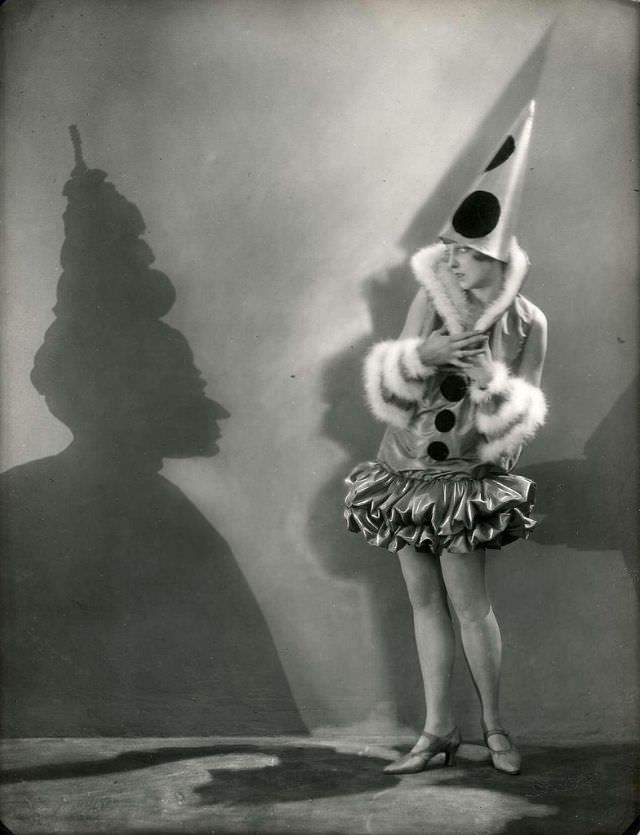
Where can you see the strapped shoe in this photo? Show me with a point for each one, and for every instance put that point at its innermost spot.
(427, 746)
(508, 760)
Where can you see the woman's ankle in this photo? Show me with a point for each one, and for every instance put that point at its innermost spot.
(491, 720)
(495, 741)
(440, 727)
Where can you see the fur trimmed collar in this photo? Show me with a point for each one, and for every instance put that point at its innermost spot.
(449, 298)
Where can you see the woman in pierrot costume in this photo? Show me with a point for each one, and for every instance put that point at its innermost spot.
(460, 393)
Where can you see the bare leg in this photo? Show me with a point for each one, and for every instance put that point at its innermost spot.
(435, 639)
(464, 577)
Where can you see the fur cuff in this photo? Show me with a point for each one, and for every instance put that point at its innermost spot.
(394, 378)
(497, 385)
(509, 416)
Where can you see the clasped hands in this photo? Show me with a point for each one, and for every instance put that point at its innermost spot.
(469, 351)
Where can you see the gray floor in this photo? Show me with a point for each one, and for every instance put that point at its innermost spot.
(307, 785)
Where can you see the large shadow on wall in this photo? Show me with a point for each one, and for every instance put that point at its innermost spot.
(591, 503)
(348, 422)
(125, 612)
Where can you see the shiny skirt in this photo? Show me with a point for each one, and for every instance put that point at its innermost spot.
(433, 513)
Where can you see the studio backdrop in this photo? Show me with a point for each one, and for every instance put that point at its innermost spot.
(197, 280)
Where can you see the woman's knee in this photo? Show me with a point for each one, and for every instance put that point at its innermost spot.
(423, 581)
(465, 583)
(471, 610)
(425, 597)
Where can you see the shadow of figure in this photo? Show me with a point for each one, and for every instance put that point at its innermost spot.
(245, 774)
(581, 509)
(341, 553)
(562, 791)
(124, 610)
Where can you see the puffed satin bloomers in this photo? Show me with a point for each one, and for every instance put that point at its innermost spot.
(452, 512)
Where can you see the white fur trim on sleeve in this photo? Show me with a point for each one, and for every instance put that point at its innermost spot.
(403, 372)
(394, 379)
(380, 400)
(498, 384)
(520, 412)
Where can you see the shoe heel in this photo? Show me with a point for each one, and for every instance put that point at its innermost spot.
(450, 757)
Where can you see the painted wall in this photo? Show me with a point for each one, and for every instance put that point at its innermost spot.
(288, 158)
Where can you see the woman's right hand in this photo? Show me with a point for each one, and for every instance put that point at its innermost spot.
(439, 348)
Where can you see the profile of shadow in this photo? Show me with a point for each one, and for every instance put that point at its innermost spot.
(244, 774)
(124, 610)
(582, 509)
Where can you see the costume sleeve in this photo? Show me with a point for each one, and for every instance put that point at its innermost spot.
(394, 377)
(510, 411)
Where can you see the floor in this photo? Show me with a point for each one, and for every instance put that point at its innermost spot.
(307, 785)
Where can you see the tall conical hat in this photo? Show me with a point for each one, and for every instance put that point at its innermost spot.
(486, 217)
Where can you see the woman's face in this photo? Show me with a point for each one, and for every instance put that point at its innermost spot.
(472, 269)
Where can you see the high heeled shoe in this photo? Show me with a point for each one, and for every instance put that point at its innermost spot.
(508, 760)
(417, 759)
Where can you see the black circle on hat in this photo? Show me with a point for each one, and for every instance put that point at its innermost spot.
(438, 451)
(445, 420)
(477, 215)
(503, 153)
(453, 387)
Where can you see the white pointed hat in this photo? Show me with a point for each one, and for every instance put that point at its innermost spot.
(485, 218)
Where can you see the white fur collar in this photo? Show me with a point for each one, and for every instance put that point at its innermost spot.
(448, 297)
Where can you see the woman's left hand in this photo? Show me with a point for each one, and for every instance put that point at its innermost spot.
(481, 370)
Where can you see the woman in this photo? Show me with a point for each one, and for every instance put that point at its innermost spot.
(460, 393)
